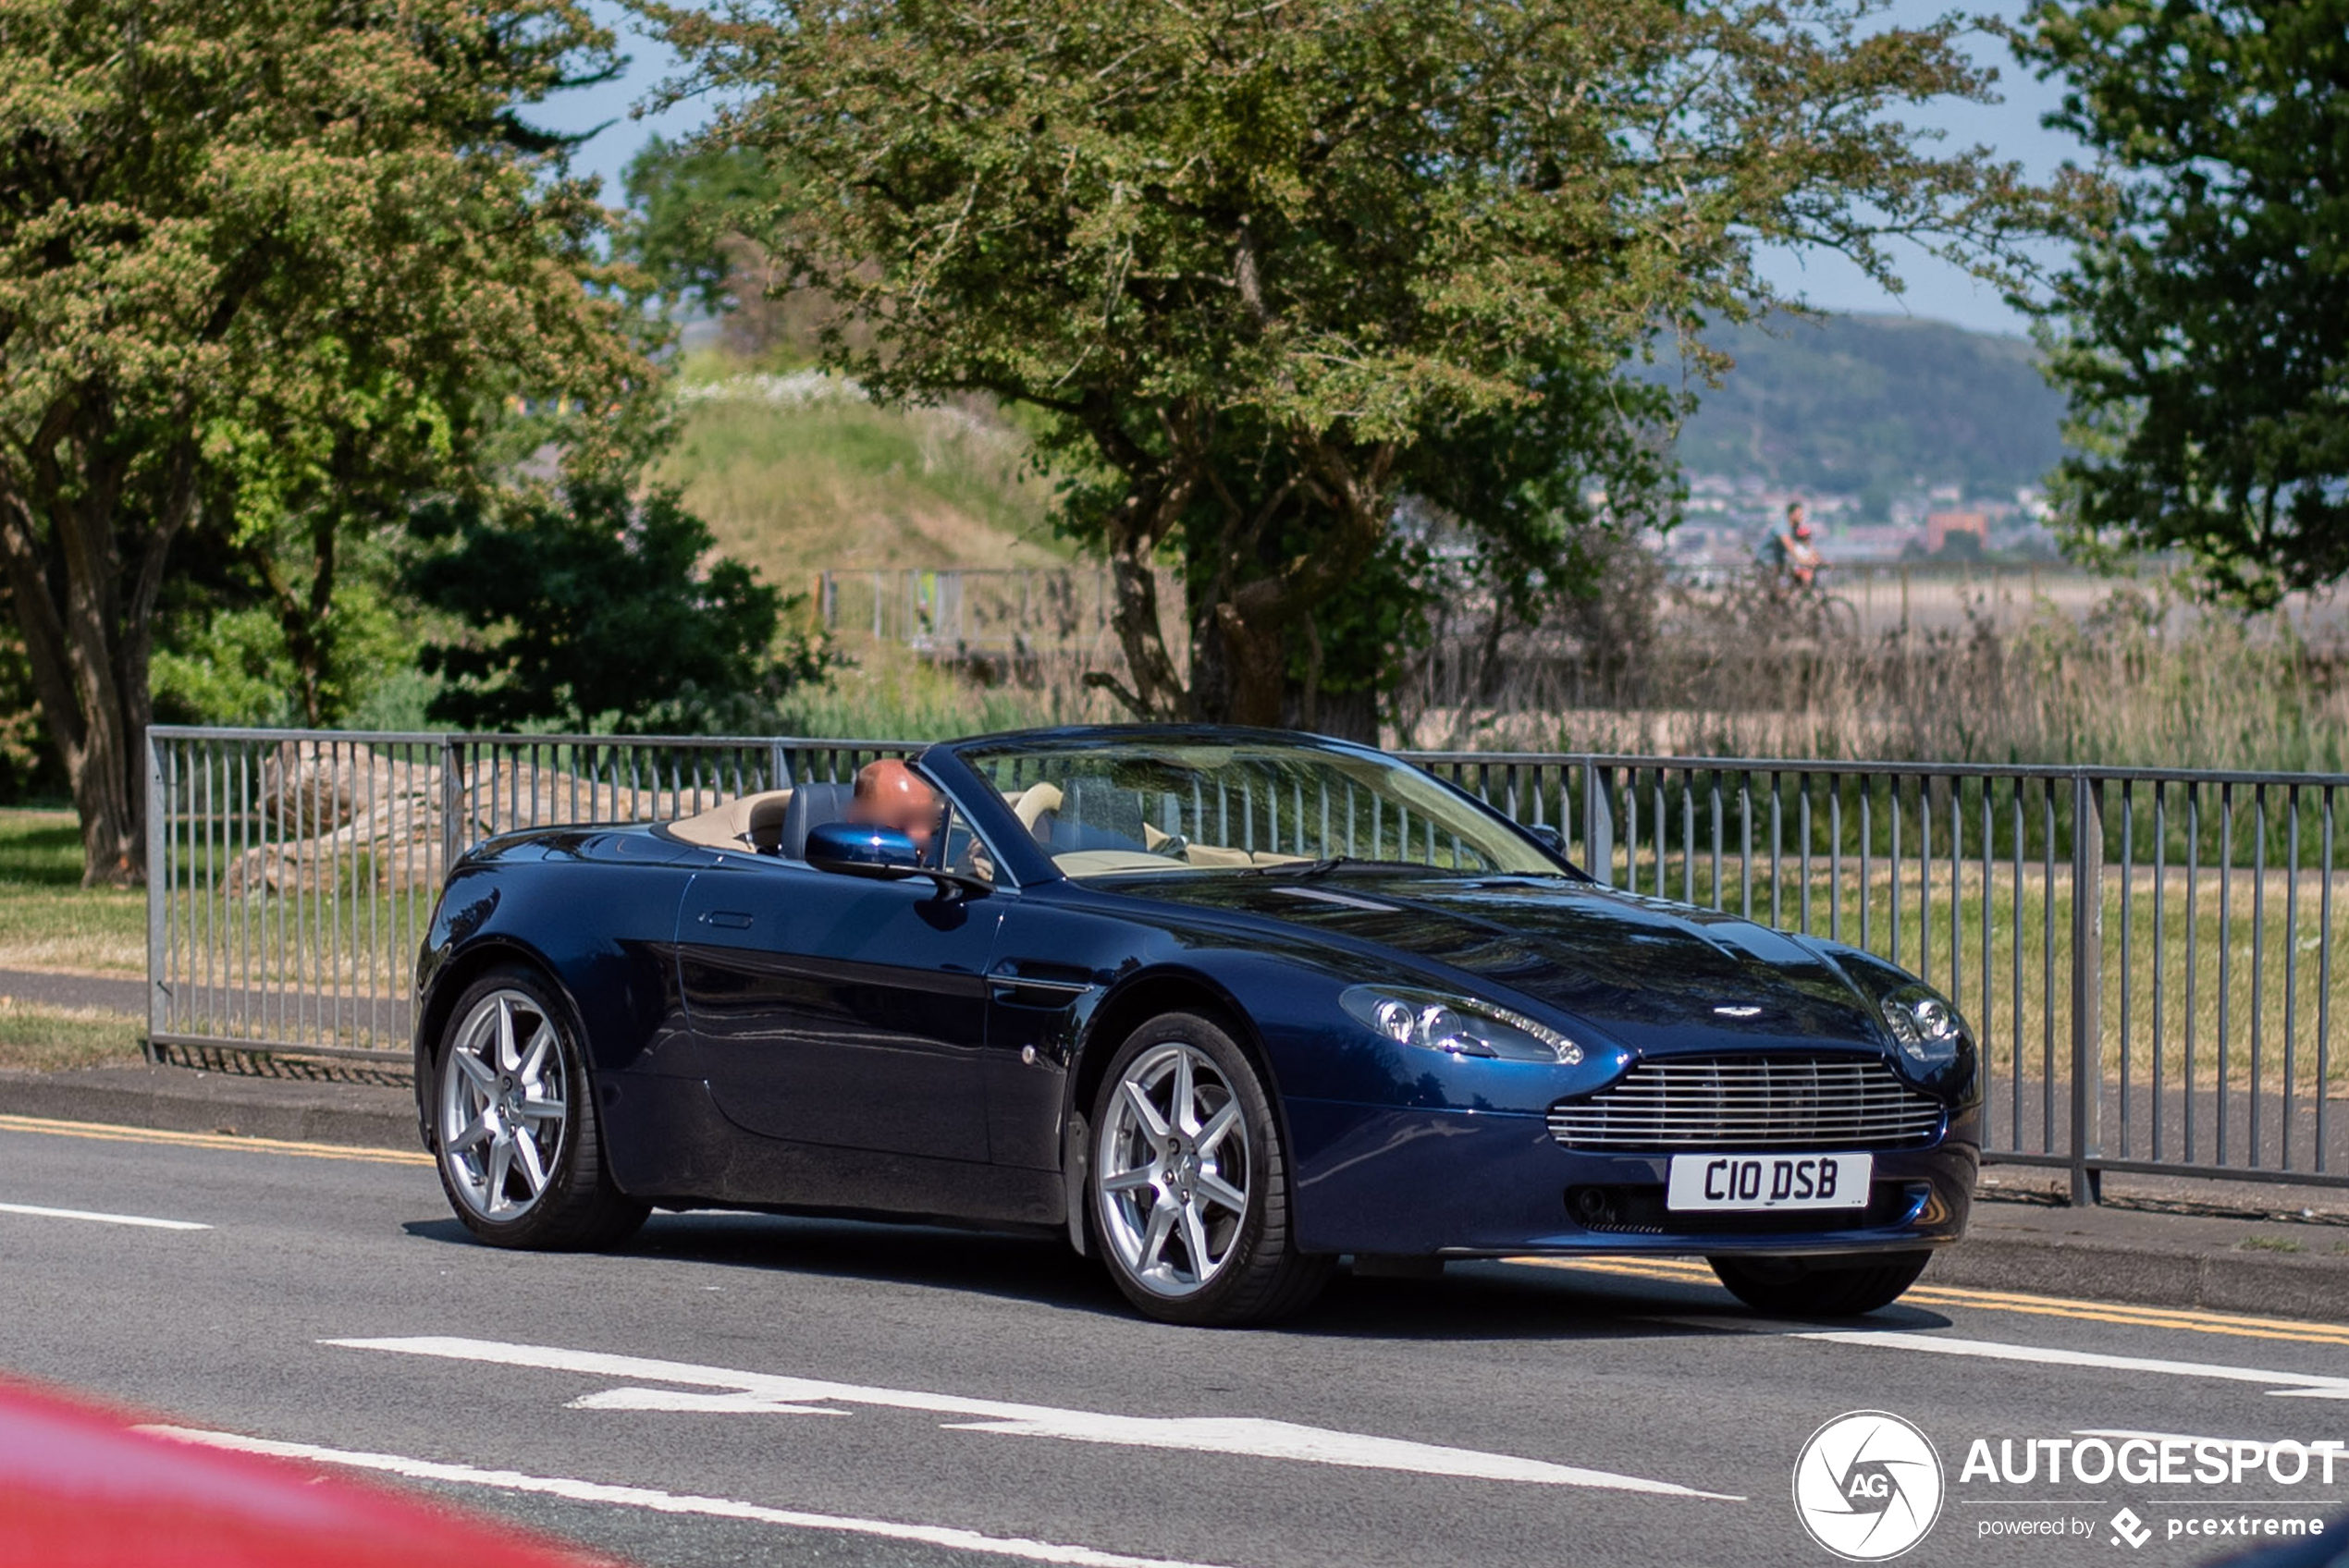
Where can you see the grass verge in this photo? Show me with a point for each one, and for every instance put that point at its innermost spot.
(47, 919)
(54, 1039)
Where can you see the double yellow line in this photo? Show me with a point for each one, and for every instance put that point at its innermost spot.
(109, 1134)
(1681, 1271)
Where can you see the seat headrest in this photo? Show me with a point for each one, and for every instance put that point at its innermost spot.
(812, 805)
(765, 826)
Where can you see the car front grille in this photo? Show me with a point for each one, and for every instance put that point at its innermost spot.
(1749, 1102)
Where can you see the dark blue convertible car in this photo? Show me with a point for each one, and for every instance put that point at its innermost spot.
(1221, 1006)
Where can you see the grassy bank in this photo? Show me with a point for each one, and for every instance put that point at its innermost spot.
(795, 474)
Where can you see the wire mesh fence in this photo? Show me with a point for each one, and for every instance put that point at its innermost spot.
(2146, 956)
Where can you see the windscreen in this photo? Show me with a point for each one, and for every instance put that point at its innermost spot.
(1130, 807)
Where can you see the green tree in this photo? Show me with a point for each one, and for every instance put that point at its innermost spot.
(596, 611)
(2203, 329)
(1246, 261)
(263, 266)
(689, 203)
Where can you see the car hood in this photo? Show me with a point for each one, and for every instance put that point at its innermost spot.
(1657, 976)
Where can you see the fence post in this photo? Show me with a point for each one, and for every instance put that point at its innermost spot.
(158, 897)
(1598, 823)
(452, 805)
(779, 770)
(2087, 987)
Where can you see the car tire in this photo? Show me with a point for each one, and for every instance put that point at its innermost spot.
(1187, 1168)
(515, 1135)
(1820, 1287)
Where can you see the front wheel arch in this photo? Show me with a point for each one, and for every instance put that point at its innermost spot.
(452, 981)
(1133, 1002)
(577, 1204)
(1197, 1099)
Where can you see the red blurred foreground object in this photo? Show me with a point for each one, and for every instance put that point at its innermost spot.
(80, 1488)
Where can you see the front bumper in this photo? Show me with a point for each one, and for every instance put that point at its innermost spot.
(1462, 1184)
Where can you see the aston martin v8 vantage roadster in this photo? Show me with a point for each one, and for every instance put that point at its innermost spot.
(1221, 1006)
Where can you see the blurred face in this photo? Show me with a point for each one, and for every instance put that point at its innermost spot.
(890, 795)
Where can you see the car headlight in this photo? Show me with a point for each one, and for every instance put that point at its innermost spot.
(1457, 1025)
(1926, 1027)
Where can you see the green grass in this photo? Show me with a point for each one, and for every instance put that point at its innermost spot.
(890, 695)
(834, 482)
(52, 1040)
(2271, 1243)
(47, 919)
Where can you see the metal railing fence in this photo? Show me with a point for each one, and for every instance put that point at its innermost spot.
(292, 874)
(2146, 955)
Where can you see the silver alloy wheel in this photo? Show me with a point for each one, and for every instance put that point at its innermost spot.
(1174, 1167)
(503, 1090)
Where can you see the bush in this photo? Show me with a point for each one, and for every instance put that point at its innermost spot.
(598, 611)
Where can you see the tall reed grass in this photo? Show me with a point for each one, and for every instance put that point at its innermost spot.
(2143, 680)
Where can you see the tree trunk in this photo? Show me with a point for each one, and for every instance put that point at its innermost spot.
(305, 618)
(88, 627)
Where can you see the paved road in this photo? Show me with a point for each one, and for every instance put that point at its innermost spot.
(101, 993)
(737, 1389)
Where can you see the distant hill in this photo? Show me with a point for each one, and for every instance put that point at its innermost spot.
(1876, 406)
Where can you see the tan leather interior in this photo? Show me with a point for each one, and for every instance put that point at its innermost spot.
(747, 822)
(1034, 802)
(1104, 863)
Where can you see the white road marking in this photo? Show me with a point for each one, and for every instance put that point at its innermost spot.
(675, 1502)
(742, 1402)
(2286, 1385)
(1244, 1436)
(139, 1220)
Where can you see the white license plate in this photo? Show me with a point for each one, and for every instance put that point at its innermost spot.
(1756, 1182)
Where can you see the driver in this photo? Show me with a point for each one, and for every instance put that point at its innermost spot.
(889, 794)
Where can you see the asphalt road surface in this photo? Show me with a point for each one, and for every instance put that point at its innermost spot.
(746, 1390)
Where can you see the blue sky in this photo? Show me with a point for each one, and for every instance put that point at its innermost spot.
(1935, 289)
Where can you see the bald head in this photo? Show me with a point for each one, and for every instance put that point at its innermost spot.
(889, 794)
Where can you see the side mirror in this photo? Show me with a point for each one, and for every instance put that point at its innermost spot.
(854, 850)
(1549, 837)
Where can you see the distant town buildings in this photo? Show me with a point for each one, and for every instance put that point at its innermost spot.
(1728, 516)
(1941, 527)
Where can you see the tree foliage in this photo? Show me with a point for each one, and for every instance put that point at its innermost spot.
(264, 268)
(2203, 329)
(688, 201)
(1256, 264)
(598, 611)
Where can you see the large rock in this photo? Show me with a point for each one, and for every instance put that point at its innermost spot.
(349, 818)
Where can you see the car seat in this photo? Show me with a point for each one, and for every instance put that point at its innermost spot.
(1093, 815)
(812, 805)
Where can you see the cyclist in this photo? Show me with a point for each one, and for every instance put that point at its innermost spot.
(1788, 552)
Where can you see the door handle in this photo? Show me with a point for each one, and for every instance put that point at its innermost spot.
(729, 919)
